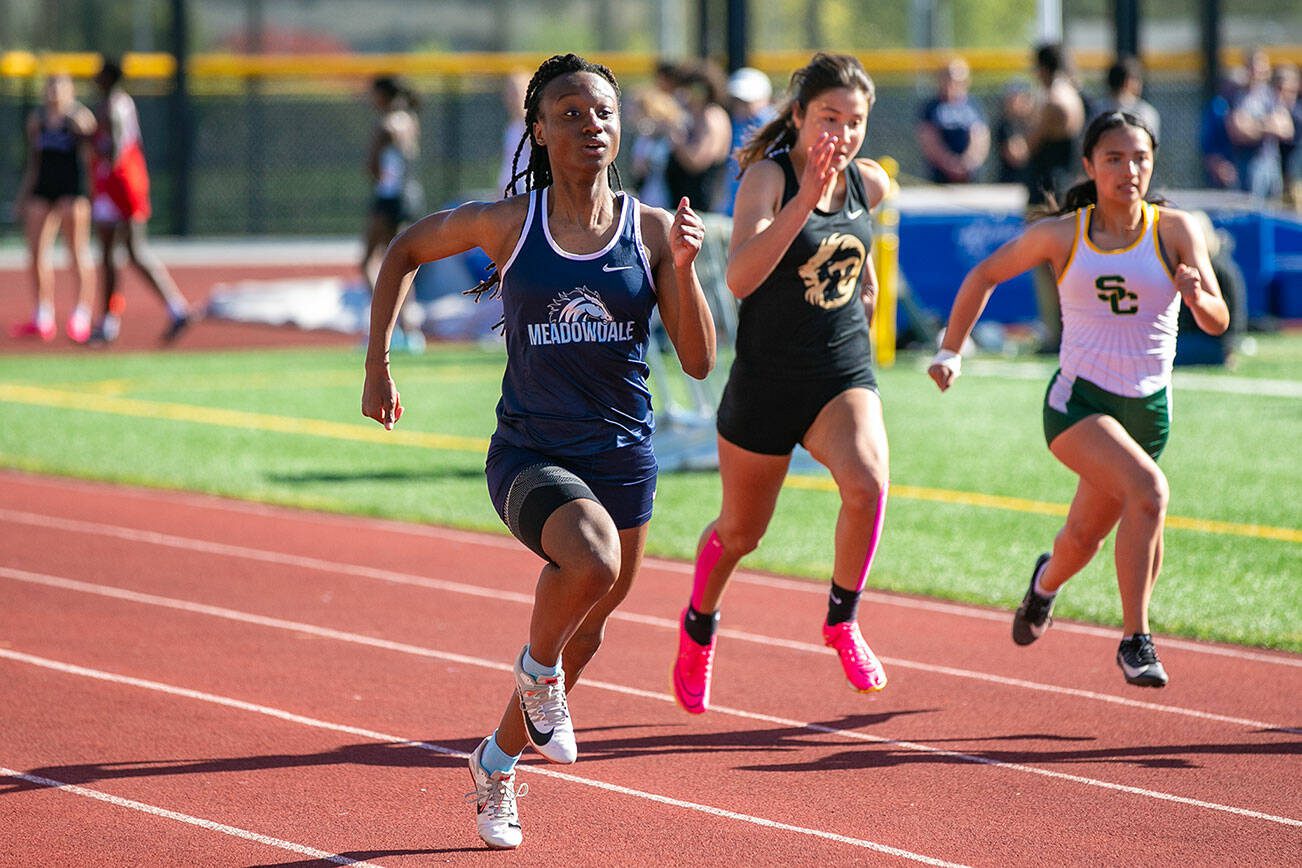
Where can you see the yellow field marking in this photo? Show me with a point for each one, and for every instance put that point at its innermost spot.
(280, 380)
(371, 433)
(1040, 507)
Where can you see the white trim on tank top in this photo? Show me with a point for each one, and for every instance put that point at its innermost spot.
(583, 257)
(519, 242)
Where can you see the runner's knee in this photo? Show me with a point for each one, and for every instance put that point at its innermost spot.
(738, 541)
(1150, 493)
(590, 557)
(862, 491)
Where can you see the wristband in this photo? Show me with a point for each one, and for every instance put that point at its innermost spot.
(949, 359)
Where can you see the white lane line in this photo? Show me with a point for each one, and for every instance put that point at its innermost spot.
(209, 825)
(419, 651)
(506, 544)
(303, 562)
(398, 741)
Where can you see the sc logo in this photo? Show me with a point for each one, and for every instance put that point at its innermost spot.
(1112, 289)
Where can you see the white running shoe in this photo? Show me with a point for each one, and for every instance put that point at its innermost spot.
(497, 817)
(546, 713)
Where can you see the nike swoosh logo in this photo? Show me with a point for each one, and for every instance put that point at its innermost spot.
(691, 616)
(608, 267)
(854, 215)
(535, 736)
(1130, 670)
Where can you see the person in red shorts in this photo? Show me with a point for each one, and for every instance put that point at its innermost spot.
(120, 207)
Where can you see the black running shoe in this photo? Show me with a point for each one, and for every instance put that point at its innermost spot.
(1138, 661)
(101, 336)
(1034, 615)
(178, 325)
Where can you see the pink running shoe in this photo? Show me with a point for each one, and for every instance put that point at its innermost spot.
(860, 664)
(31, 329)
(79, 329)
(692, 672)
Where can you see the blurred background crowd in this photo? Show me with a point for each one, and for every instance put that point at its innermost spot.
(260, 129)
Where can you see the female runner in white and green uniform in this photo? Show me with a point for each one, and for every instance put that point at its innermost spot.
(1123, 265)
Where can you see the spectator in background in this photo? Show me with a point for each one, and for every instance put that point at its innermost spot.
(1284, 81)
(1257, 124)
(699, 149)
(656, 116)
(1219, 170)
(513, 137)
(1125, 94)
(1010, 133)
(52, 197)
(120, 208)
(751, 96)
(395, 145)
(951, 129)
(1056, 124)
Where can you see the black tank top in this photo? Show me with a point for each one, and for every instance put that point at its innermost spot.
(59, 173)
(807, 320)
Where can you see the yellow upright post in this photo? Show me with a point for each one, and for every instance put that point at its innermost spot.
(886, 260)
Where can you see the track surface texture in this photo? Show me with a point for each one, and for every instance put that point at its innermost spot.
(197, 273)
(189, 680)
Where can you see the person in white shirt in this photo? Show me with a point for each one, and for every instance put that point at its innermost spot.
(1123, 266)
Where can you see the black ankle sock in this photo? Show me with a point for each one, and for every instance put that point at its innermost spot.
(700, 626)
(842, 605)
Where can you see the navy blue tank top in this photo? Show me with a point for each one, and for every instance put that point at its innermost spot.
(807, 320)
(576, 340)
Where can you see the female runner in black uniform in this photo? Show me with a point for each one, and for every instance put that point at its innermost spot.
(52, 196)
(799, 262)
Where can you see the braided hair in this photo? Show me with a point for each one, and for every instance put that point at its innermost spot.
(537, 174)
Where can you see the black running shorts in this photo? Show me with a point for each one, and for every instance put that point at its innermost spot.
(770, 416)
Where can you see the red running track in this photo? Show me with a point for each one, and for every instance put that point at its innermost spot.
(146, 319)
(216, 682)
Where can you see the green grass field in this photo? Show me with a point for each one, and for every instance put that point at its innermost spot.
(976, 495)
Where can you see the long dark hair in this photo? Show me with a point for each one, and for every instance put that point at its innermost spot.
(538, 173)
(1085, 193)
(824, 72)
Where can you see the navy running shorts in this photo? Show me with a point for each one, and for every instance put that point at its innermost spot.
(526, 486)
(770, 416)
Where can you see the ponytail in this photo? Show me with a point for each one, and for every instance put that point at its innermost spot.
(777, 135)
(824, 72)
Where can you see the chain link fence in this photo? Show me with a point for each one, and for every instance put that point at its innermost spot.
(287, 157)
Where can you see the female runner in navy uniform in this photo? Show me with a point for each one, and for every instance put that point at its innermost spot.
(1123, 266)
(570, 467)
(799, 261)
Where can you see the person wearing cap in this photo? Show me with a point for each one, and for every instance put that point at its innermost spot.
(750, 98)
